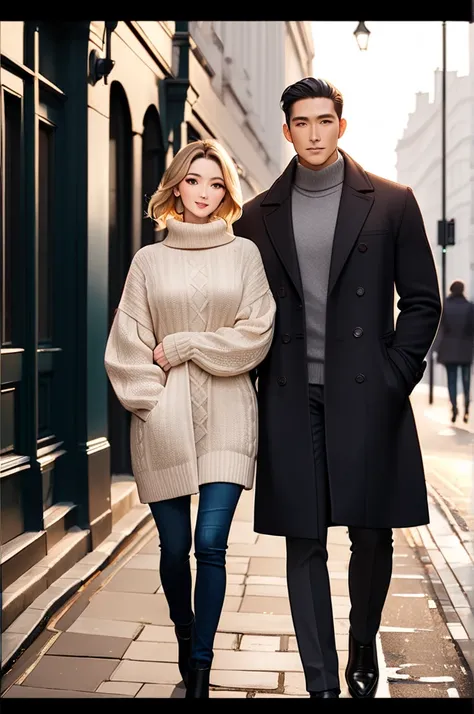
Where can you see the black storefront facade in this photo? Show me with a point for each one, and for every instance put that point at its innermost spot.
(79, 157)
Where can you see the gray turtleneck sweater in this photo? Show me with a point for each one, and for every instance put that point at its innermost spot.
(315, 204)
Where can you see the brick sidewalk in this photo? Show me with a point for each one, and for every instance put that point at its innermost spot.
(120, 640)
(123, 642)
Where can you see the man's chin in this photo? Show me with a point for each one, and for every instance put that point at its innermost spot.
(315, 160)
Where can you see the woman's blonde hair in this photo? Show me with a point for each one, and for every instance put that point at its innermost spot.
(163, 202)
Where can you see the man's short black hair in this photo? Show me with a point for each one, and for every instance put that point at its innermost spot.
(307, 88)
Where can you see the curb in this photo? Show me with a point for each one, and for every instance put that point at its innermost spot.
(448, 590)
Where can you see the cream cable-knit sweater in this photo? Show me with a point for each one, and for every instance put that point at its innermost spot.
(204, 294)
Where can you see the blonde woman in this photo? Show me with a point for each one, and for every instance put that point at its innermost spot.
(195, 316)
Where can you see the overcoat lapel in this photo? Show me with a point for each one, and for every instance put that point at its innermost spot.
(279, 224)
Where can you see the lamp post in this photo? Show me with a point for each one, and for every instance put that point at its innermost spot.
(443, 239)
(362, 35)
(443, 166)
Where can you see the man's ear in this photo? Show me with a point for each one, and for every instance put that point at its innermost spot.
(287, 133)
(342, 127)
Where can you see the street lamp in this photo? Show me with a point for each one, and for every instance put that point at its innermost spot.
(362, 35)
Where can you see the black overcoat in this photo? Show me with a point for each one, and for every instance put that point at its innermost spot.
(376, 477)
(455, 340)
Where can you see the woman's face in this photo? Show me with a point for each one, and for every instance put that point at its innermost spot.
(201, 190)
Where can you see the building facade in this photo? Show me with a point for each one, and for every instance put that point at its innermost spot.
(419, 166)
(81, 155)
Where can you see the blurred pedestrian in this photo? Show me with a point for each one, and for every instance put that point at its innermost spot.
(454, 345)
(338, 442)
(195, 316)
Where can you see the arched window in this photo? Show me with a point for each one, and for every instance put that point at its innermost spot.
(153, 166)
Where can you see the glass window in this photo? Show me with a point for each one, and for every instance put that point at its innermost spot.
(45, 237)
(12, 208)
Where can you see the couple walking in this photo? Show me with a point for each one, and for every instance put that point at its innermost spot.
(261, 337)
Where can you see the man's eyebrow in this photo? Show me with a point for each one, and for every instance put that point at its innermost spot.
(319, 116)
(214, 178)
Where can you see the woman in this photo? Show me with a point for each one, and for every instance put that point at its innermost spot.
(195, 316)
(454, 344)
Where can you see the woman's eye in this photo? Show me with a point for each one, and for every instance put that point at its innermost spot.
(191, 181)
(218, 185)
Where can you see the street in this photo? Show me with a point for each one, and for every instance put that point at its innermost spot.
(114, 638)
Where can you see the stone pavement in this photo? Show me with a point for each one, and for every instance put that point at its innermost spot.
(115, 638)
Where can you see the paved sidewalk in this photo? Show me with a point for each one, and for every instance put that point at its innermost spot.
(446, 544)
(115, 637)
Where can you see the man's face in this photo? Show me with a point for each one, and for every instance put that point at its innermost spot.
(314, 131)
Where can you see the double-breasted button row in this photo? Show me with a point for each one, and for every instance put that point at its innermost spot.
(358, 332)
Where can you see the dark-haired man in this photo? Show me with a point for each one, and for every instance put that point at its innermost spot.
(337, 438)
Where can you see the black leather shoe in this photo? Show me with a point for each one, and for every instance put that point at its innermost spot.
(362, 671)
(325, 694)
(198, 683)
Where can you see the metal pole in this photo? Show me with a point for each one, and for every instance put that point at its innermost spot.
(443, 195)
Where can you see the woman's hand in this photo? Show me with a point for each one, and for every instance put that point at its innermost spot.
(160, 359)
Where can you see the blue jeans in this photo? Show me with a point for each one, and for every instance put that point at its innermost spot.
(452, 374)
(217, 504)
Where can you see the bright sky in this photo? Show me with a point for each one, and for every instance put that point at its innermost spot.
(379, 84)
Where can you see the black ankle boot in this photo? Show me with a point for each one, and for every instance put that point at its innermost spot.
(184, 637)
(454, 414)
(362, 671)
(198, 682)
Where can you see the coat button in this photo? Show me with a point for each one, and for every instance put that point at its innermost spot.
(360, 378)
(360, 292)
(286, 338)
(362, 247)
(358, 332)
(281, 381)
(282, 291)
(299, 306)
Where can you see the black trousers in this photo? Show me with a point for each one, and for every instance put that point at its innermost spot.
(370, 571)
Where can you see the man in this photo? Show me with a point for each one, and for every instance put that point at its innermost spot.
(455, 345)
(337, 438)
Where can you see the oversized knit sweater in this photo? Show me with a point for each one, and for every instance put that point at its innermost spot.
(203, 293)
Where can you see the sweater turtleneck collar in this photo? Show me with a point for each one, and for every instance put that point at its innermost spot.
(195, 236)
(329, 177)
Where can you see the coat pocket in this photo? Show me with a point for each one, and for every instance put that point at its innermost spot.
(393, 377)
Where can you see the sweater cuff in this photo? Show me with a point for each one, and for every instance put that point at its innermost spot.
(177, 348)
